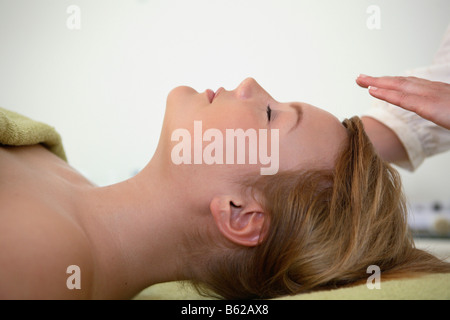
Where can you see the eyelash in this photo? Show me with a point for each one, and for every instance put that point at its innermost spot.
(233, 205)
(269, 112)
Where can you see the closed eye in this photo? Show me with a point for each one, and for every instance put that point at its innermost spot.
(269, 113)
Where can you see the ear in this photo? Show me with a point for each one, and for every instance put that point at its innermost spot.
(241, 221)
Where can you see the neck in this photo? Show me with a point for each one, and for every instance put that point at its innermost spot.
(137, 229)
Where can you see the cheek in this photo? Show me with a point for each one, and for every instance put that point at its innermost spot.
(229, 116)
(291, 152)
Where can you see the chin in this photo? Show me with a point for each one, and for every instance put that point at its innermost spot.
(182, 99)
(181, 92)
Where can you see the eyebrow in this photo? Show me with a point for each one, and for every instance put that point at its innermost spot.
(299, 110)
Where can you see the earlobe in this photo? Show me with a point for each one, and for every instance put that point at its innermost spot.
(244, 224)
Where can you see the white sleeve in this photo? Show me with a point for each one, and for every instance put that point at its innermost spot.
(421, 138)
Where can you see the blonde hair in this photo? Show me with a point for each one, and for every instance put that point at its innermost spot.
(326, 229)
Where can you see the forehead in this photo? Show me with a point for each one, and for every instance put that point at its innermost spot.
(314, 143)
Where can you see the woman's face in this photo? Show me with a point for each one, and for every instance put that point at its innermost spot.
(308, 137)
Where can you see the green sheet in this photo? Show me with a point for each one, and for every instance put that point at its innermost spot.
(428, 287)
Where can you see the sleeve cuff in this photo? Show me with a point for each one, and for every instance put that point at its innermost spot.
(404, 132)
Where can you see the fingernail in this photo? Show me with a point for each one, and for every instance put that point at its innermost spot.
(362, 76)
(372, 88)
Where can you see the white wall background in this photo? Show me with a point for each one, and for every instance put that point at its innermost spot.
(104, 86)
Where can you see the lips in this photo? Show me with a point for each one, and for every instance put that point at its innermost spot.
(218, 92)
(212, 95)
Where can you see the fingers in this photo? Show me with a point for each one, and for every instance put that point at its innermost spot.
(404, 84)
(428, 99)
(405, 100)
(405, 92)
(410, 93)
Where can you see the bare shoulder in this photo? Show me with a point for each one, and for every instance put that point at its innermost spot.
(44, 255)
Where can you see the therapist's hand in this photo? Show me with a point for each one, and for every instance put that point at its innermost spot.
(429, 99)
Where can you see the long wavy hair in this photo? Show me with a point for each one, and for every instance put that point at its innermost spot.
(326, 228)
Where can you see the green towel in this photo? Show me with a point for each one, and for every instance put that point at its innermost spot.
(18, 130)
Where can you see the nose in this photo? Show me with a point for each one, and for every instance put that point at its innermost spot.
(249, 88)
